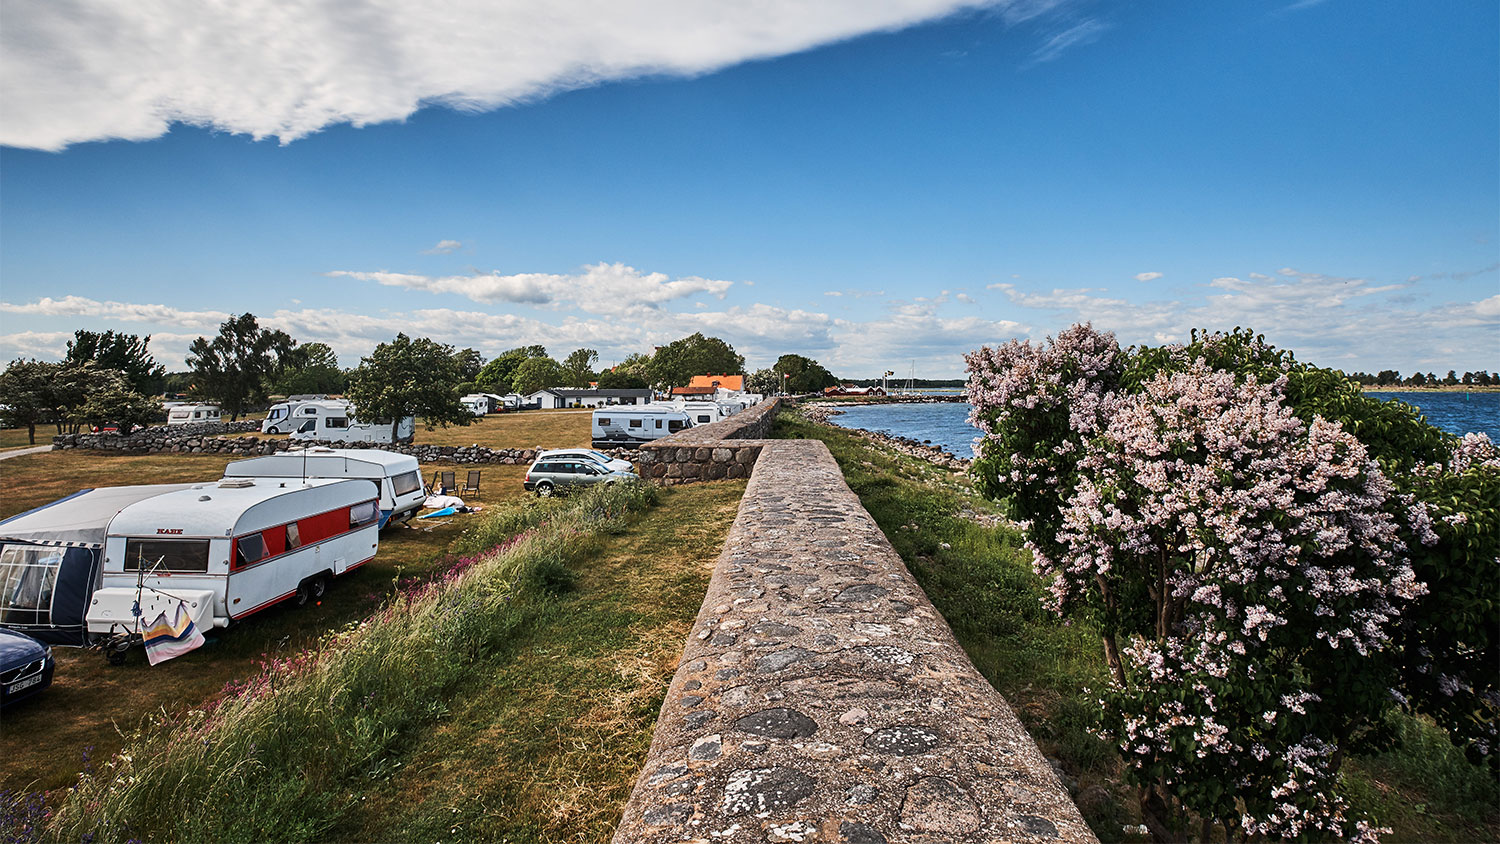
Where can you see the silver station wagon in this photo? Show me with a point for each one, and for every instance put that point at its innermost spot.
(550, 476)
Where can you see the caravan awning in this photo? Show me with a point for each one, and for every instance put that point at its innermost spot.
(81, 518)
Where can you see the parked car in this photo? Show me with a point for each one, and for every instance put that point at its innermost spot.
(547, 476)
(614, 464)
(26, 666)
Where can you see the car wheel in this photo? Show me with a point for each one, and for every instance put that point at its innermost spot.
(544, 489)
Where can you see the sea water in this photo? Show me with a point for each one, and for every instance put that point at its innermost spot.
(946, 425)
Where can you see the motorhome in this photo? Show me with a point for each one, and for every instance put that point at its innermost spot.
(483, 404)
(280, 418)
(704, 412)
(229, 549)
(51, 558)
(191, 414)
(398, 477)
(628, 425)
(333, 421)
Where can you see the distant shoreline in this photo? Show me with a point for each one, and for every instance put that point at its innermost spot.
(1444, 388)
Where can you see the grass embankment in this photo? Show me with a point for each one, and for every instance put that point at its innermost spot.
(510, 698)
(980, 579)
(45, 743)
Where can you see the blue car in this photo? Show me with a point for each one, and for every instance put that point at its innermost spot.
(26, 666)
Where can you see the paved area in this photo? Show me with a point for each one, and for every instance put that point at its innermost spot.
(6, 455)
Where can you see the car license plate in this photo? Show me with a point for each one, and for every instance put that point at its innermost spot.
(24, 684)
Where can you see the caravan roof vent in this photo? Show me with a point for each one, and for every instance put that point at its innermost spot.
(236, 483)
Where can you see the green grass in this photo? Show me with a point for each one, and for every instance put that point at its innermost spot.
(982, 583)
(289, 754)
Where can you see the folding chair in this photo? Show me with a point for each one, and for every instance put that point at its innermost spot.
(444, 482)
(472, 484)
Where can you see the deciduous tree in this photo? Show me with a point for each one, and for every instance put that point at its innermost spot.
(499, 374)
(677, 362)
(578, 367)
(538, 373)
(408, 377)
(124, 352)
(235, 367)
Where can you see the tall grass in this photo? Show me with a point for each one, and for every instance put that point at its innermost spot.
(283, 755)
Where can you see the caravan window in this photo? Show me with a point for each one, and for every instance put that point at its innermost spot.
(293, 536)
(166, 555)
(658, 423)
(308, 427)
(406, 483)
(702, 417)
(338, 421)
(28, 575)
(603, 420)
(674, 424)
(249, 549)
(635, 423)
(363, 514)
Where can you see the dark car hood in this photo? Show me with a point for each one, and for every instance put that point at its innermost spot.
(18, 648)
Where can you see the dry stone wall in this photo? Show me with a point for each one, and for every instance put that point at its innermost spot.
(821, 697)
(724, 449)
(171, 441)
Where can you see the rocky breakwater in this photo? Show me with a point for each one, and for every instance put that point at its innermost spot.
(821, 697)
(724, 449)
(823, 413)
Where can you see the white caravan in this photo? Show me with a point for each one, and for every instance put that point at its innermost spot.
(626, 425)
(397, 477)
(229, 549)
(705, 412)
(476, 403)
(333, 421)
(191, 414)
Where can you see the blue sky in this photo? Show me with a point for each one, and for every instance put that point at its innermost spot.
(880, 185)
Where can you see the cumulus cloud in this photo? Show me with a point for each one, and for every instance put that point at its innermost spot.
(1147, 276)
(75, 72)
(78, 306)
(443, 247)
(601, 288)
(1331, 320)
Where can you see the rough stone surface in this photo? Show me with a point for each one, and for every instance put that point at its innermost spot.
(842, 709)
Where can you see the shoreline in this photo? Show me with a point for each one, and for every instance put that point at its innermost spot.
(821, 413)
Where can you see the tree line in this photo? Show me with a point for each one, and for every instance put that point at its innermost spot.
(1392, 378)
(111, 379)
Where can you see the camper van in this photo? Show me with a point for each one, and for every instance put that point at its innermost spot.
(229, 549)
(51, 558)
(191, 414)
(279, 418)
(398, 477)
(333, 421)
(705, 412)
(476, 403)
(628, 425)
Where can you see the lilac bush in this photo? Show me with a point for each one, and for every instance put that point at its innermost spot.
(1244, 566)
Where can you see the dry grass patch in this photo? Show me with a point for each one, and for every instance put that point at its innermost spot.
(525, 429)
(548, 745)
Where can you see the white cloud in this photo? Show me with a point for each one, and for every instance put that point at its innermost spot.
(78, 306)
(75, 72)
(601, 288)
(1147, 276)
(1085, 32)
(443, 247)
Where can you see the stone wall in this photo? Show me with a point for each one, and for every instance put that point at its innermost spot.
(821, 697)
(173, 441)
(724, 449)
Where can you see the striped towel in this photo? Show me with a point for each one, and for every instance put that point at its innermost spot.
(165, 640)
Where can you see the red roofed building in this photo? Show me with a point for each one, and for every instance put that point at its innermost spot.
(728, 382)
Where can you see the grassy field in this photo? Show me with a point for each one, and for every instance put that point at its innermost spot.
(526, 429)
(980, 579)
(91, 701)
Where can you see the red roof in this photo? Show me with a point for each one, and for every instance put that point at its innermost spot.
(728, 382)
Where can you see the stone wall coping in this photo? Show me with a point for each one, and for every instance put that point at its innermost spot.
(821, 697)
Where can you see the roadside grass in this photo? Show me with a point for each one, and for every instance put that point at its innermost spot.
(12, 438)
(546, 744)
(283, 756)
(46, 742)
(982, 583)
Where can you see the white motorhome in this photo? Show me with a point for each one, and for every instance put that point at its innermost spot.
(704, 412)
(190, 414)
(333, 421)
(280, 418)
(229, 549)
(398, 477)
(476, 403)
(628, 425)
